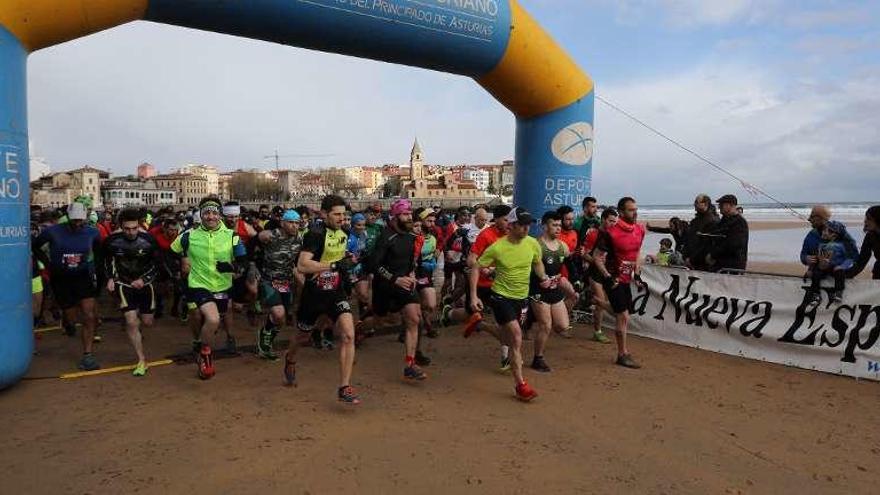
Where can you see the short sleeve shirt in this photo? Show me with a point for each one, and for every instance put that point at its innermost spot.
(513, 265)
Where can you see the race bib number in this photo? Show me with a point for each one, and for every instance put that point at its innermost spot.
(282, 286)
(71, 260)
(328, 280)
(626, 270)
(423, 281)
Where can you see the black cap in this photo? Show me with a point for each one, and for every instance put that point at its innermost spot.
(521, 216)
(501, 210)
(727, 198)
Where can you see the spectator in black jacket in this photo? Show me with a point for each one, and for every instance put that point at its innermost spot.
(677, 228)
(730, 238)
(696, 246)
(870, 245)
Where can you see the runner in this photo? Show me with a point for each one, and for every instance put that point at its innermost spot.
(589, 218)
(73, 247)
(596, 279)
(130, 261)
(548, 302)
(359, 278)
(484, 278)
(322, 260)
(456, 249)
(211, 253)
(515, 257)
(571, 283)
(619, 263)
(245, 282)
(426, 265)
(393, 262)
(281, 249)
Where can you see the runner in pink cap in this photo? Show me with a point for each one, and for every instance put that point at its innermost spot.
(401, 207)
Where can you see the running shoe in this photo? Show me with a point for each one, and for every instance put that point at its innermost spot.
(347, 395)
(430, 331)
(599, 336)
(472, 325)
(505, 365)
(206, 363)
(97, 338)
(445, 320)
(140, 369)
(627, 362)
(231, 347)
(289, 372)
(422, 360)
(88, 363)
(327, 344)
(264, 345)
(568, 333)
(525, 393)
(414, 373)
(69, 329)
(538, 364)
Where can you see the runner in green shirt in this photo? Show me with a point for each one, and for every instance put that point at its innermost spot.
(514, 257)
(209, 253)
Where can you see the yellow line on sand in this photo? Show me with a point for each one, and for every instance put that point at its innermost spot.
(46, 329)
(104, 371)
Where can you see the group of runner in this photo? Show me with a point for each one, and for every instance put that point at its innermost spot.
(309, 270)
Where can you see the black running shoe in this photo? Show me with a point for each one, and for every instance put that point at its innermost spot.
(422, 360)
(538, 364)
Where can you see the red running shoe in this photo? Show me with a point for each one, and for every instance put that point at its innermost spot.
(472, 324)
(206, 363)
(525, 393)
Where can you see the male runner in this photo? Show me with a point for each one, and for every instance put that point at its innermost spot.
(130, 257)
(548, 303)
(474, 320)
(427, 263)
(281, 248)
(596, 279)
(571, 282)
(456, 248)
(322, 260)
(515, 257)
(73, 246)
(393, 263)
(619, 264)
(211, 252)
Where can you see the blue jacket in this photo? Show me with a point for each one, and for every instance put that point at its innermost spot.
(814, 239)
(837, 256)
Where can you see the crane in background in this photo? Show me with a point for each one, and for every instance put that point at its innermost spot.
(278, 157)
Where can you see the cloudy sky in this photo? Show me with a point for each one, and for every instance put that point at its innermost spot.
(782, 92)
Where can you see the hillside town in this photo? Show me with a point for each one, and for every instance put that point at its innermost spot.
(188, 184)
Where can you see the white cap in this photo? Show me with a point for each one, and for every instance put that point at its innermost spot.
(76, 211)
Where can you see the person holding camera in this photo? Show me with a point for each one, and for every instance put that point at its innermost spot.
(210, 255)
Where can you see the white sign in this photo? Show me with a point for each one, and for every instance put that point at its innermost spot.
(763, 317)
(574, 144)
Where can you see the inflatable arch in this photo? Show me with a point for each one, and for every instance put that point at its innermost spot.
(495, 42)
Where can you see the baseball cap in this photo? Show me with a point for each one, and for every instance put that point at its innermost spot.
(76, 211)
(727, 198)
(290, 216)
(501, 211)
(521, 216)
(427, 212)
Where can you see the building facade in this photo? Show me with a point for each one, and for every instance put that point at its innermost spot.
(190, 188)
(208, 172)
(146, 171)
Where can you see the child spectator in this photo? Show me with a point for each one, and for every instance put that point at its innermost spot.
(666, 256)
(833, 260)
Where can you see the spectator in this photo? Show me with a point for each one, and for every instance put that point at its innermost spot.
(819, 217)
(677, 229)
(666, 256)
(696, 247)
(871, 244)
(831, 260)
(730, 249)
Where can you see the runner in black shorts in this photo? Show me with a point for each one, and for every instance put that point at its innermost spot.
(548, 303)
(515, 257)
(324, 263)
(131, 260)
(72, 249)
(393, 263)
(280, 249)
